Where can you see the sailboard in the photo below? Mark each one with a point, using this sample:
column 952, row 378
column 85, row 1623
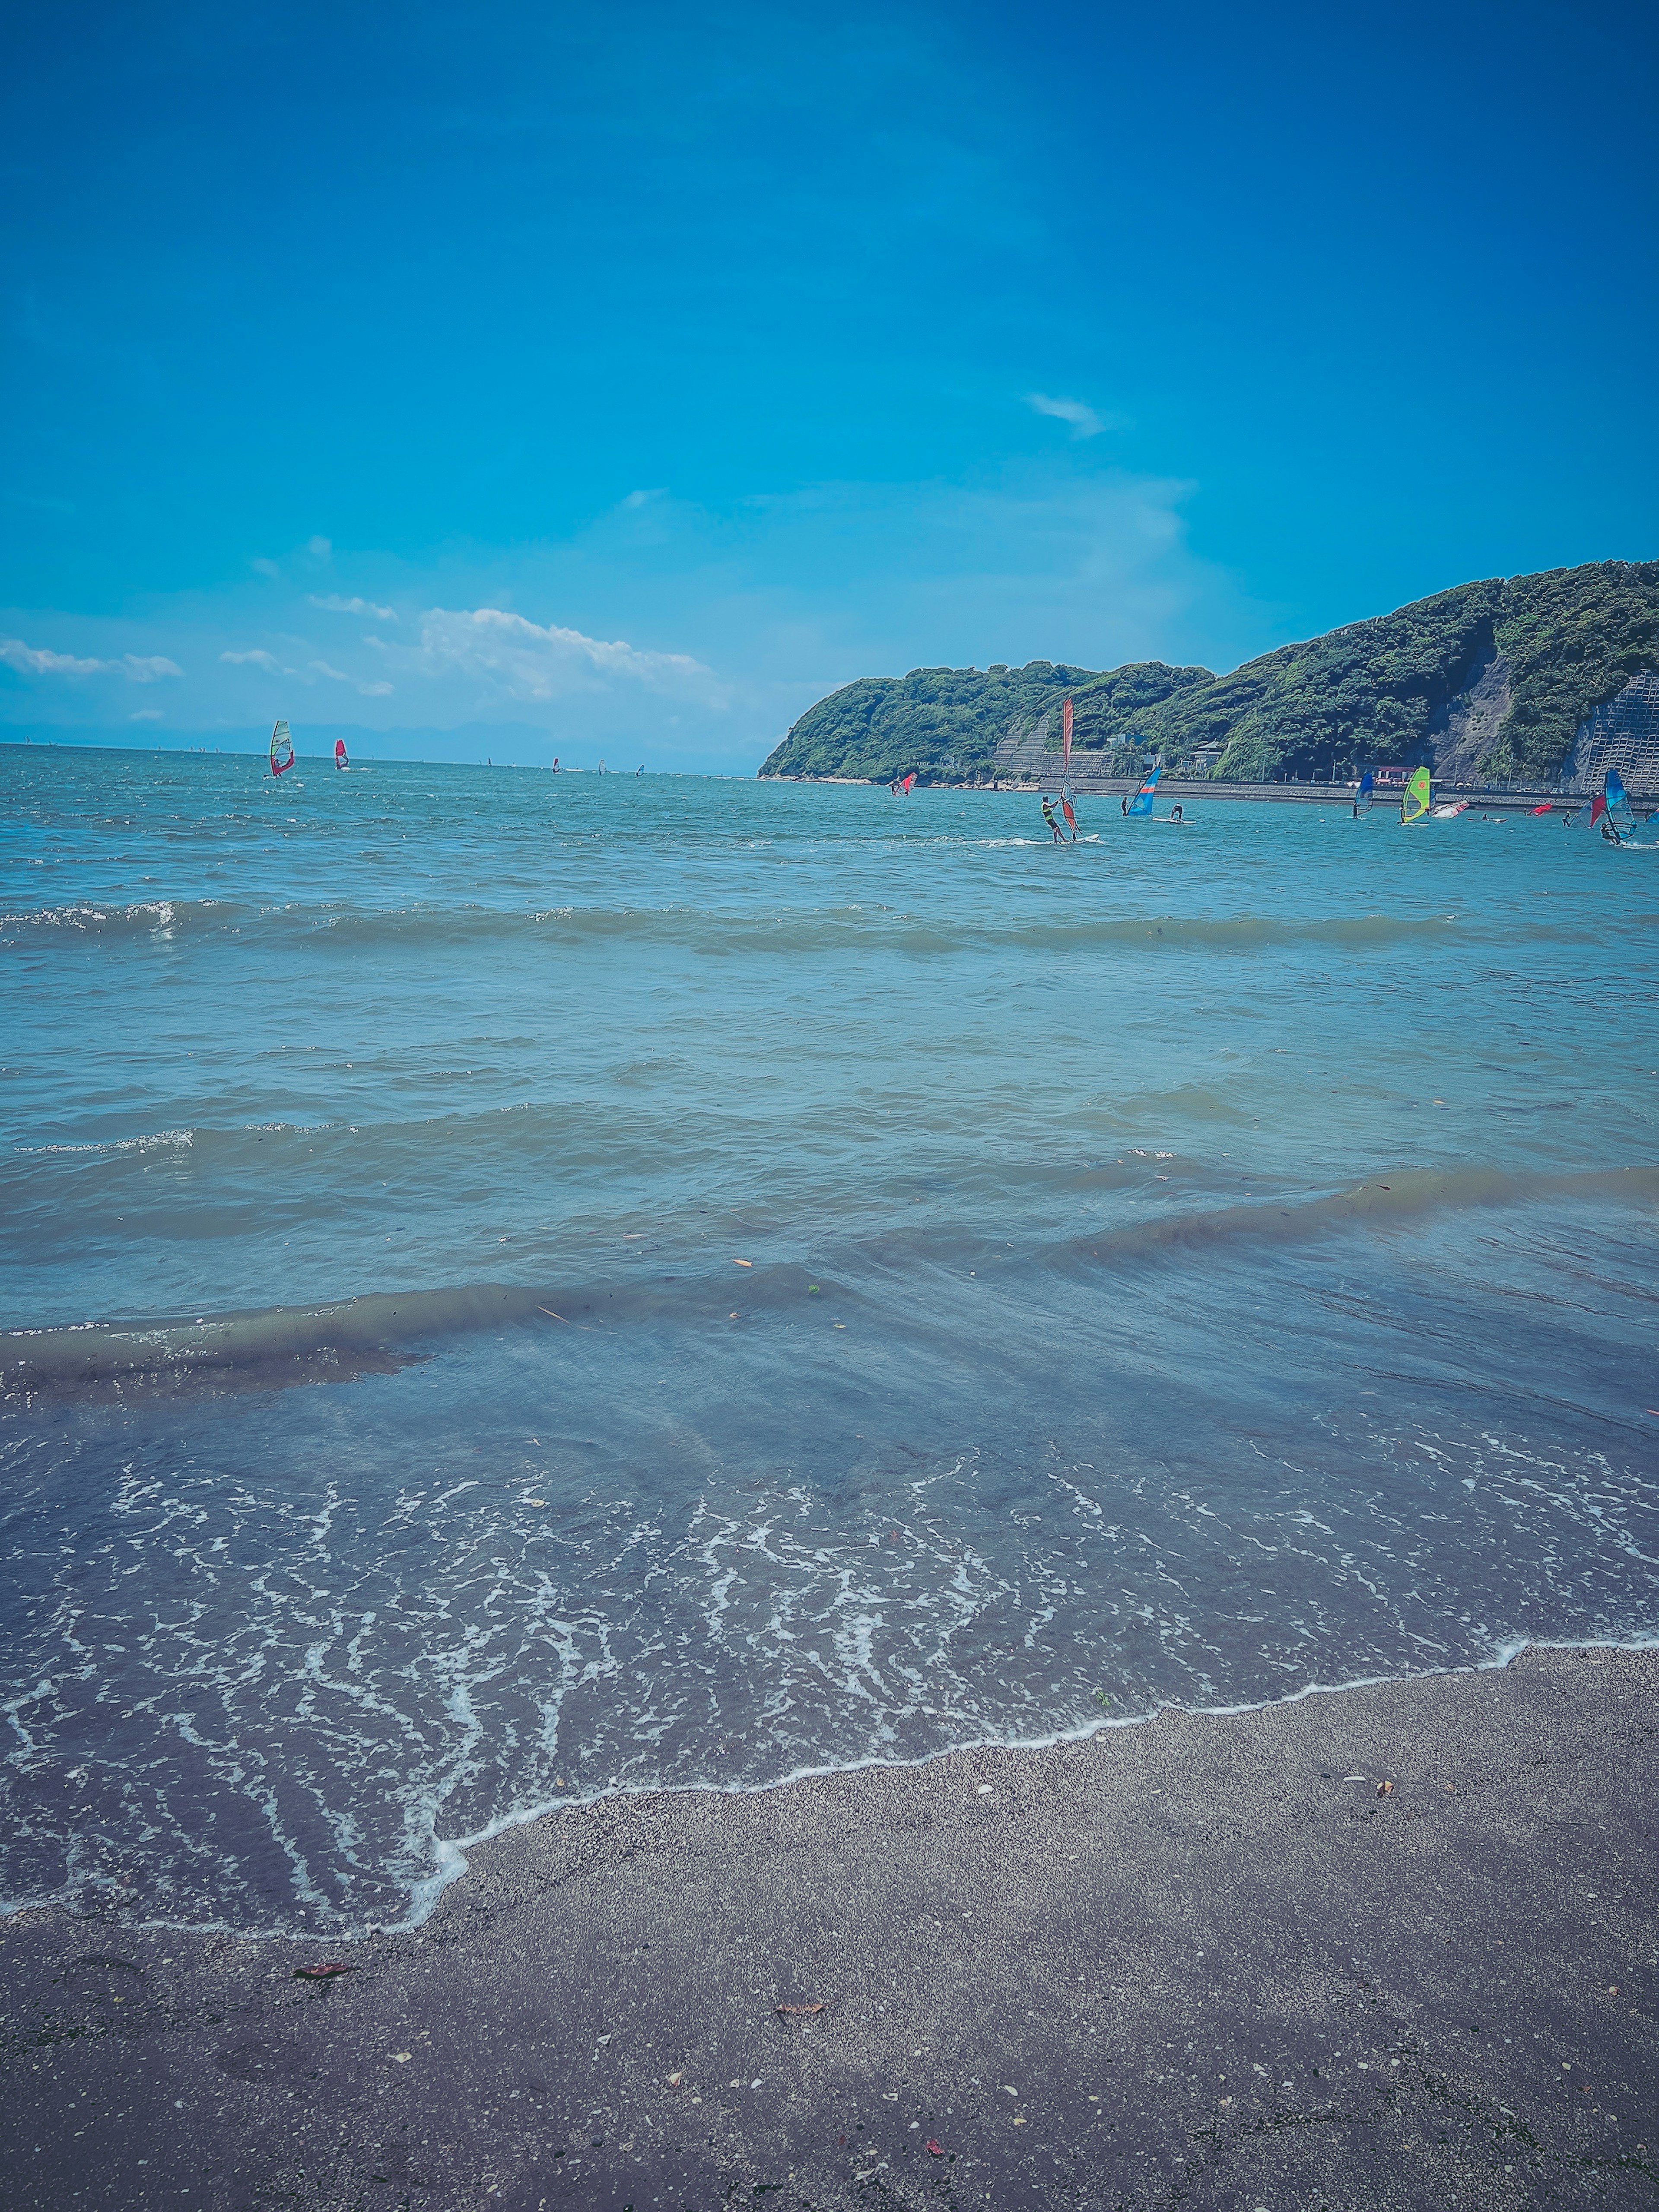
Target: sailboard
column 281, row 749
column 1066, row 769
column 1620, row 812
column 340, row 760
column 1419, row 796
column 1142, row 801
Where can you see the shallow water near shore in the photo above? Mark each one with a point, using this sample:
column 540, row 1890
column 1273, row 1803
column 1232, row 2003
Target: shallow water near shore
column 1194, row 1266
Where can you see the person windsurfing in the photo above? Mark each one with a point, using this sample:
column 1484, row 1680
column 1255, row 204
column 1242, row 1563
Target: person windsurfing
column 1066, row 773
column 1049, row 816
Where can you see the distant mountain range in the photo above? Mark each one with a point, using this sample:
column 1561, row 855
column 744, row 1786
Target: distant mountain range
column 1489, row 681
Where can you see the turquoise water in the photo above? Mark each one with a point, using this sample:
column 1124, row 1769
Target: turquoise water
column 1198, row 1264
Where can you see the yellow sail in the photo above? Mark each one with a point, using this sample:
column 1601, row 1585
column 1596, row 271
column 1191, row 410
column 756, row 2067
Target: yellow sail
column 1419, row 790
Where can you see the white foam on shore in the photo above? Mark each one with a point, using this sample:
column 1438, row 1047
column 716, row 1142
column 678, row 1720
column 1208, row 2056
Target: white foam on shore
column 452, row 1855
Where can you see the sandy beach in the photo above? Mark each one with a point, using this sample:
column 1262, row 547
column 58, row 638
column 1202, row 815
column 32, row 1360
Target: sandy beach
column 1211, row 1961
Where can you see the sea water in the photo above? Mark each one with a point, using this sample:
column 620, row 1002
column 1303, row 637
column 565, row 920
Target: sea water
column 739, row 1279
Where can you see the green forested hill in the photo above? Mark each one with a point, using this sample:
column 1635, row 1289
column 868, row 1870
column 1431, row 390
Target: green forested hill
column 1543, row 650
column 944, row 721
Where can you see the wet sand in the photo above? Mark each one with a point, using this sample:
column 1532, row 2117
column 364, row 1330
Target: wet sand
column 1193, row 1963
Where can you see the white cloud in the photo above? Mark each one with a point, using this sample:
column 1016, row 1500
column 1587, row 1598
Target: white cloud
column 258, row 657
column 147, row 714
column 39, row 660
column 36, row 660
column 517, row 658
column 343, row 676
column 320, row 549
column 1084, row 421
column 261, row 566
column 334, row 605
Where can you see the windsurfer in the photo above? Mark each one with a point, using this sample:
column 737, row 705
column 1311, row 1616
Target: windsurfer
column 1049, row 816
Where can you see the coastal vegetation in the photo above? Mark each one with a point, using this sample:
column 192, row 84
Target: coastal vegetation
column 946, row 722
column 1545, row 649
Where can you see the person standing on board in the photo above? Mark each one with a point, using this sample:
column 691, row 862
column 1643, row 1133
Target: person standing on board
column 1049, row 816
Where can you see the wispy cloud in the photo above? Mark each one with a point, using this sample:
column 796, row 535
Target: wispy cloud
column 258, row 657
column 1083, row 419
column 344, row 676
column 334, row 605
column 517, row 658
column 147, row 714
column 40, row 660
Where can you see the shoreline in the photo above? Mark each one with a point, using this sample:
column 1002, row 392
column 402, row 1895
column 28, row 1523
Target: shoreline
column 1175, row 1959
column 454, row 1855
column 1087, row 783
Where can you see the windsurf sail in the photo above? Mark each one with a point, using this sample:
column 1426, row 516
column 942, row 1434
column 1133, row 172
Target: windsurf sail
column 1419, row 796
column 1598, row 807
column 340, row 760
column 1066, row 769
column 1142, row 801
column 908, row 780
column 281, row 749
column 1451, row 810
column 1367, row 791
column 1620, row 812
column 1548, row 807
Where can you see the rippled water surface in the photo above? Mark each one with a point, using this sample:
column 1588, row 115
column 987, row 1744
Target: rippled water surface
column 523, row 1287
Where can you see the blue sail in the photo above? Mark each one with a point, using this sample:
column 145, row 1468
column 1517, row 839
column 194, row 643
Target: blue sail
column 1142, row 801
column 1619, row 806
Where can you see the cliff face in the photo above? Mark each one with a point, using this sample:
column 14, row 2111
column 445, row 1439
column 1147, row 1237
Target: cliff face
column 1491, row 680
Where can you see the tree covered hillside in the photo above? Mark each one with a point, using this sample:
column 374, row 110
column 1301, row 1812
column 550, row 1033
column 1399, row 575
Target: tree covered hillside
column 1545, row 648
column 943, row 722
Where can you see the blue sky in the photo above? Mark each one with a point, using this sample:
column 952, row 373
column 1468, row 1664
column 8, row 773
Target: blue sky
column 619, row 380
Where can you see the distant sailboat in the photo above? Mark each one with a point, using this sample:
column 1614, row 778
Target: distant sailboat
column 340, row 760
column 1419, row 796
column 281, row 749
column 1142, row 801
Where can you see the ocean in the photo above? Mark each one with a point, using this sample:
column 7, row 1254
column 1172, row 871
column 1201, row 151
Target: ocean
column 518, row 1288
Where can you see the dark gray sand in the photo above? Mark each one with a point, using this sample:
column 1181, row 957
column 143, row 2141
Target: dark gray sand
column 1193, row 1963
